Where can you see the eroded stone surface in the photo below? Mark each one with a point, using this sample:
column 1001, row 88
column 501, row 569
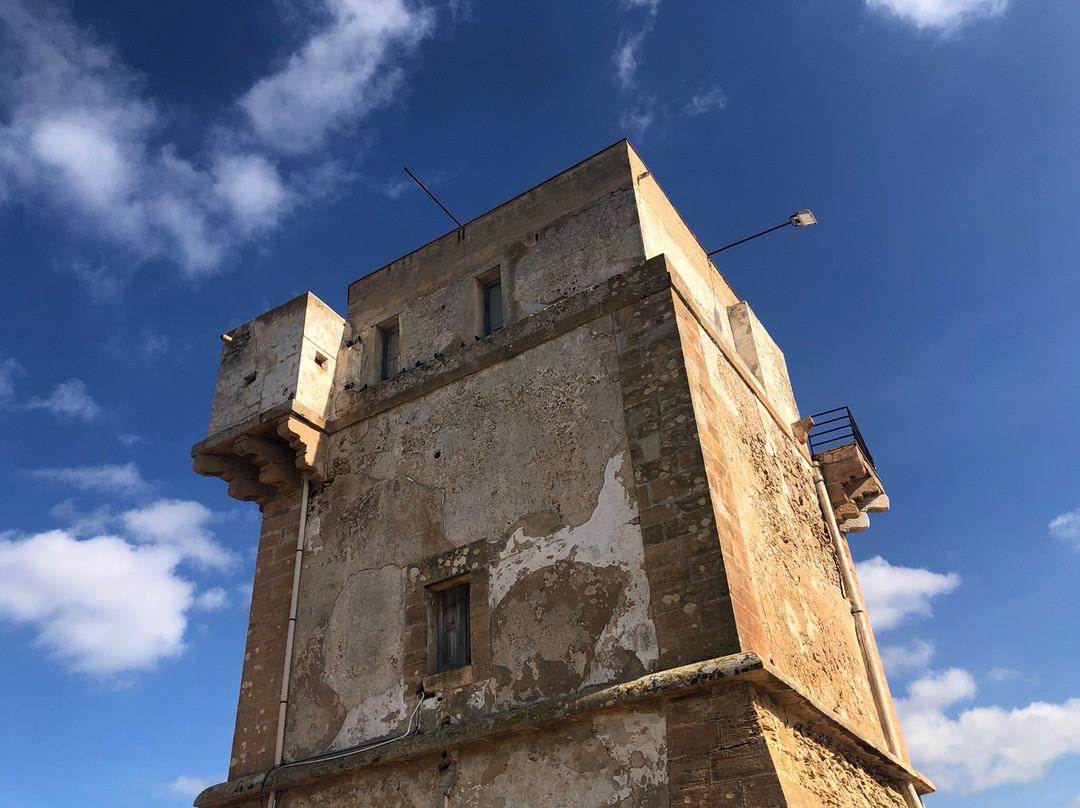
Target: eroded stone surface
column 617, row 759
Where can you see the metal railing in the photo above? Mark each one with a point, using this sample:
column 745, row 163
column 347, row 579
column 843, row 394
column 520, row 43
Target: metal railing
column 834, row 428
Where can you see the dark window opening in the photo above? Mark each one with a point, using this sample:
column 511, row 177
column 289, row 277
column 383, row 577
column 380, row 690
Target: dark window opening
column 390, row 344
column 493, row 307
column 452, row 628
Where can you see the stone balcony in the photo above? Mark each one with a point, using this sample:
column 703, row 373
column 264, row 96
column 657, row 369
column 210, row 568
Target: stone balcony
column 854, row 487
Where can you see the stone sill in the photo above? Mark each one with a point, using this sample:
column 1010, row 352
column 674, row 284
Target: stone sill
column 698, row 677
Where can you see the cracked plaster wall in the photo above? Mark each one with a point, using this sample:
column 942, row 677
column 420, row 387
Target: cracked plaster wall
column 527, row 457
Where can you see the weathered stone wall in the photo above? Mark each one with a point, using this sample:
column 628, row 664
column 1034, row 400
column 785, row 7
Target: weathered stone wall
column 719, row 754
column 526, row 462
column 610, row 759
column 691, row 603
column 286, row 355
column 817, row 772
column 782, row 570
column 260, row 684
column 664, row 232
column 764, row 359
column 577, row 230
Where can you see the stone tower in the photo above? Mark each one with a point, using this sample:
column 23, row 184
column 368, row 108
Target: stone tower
column 541, row 527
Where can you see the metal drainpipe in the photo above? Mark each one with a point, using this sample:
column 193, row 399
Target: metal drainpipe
column 862, row 633
column 279, row 745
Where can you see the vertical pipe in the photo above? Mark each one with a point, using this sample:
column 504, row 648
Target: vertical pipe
column 283, row 704
column 862, row 633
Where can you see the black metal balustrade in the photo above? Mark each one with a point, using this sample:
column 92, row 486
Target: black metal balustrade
column 834, row 428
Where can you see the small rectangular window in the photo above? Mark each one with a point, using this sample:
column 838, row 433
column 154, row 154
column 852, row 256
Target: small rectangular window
column 452, row 628
column 390, row 345
column 493, row 307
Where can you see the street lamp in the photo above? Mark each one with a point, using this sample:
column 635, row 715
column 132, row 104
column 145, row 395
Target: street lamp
column 803, row 218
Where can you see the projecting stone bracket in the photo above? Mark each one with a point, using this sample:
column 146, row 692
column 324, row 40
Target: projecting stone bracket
column 266, row 462
column 854, row 488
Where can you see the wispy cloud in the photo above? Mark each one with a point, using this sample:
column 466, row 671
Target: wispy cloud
column 112, row 603
column 641, row 109
column 1067, row 528
column 188, row 787
column 212, row 599
column 706, row 101
column 626, row 55
column 941, row 15
column 118, row 480
column 82, row 136
column 343, row 72
column 637, row 118
column 9, row 369
column 914, row 656
column 895, row 593
column 70, row 400
column 983, row 747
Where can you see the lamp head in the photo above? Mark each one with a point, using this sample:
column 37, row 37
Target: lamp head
column 803, row 218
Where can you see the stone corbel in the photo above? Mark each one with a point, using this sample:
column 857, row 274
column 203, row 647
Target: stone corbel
column 276, row 461
column 854, row 487
column 308, row 442
column 241, row 475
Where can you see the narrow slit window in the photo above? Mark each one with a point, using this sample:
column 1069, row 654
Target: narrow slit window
column 452, row 628
column 493, row 307
column 391, row 339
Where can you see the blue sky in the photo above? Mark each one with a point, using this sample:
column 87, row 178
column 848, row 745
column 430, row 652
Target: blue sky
column 168, row 172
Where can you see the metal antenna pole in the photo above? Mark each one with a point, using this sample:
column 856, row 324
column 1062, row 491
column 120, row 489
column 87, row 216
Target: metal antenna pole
column 437, row 202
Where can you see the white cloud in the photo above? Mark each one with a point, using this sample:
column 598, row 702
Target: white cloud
column 109, row 603
column 983, row 747
column 180, row 524
column 101, row 605
column 914, row 656
column 705, row 101
column 212, row 599
column 1067, row 527
column 342, row 73
column 189, row 787
column 935, row 692
column 943, row 15
column 1002, row 674
column 69, row 400
column 121, row 480
column 253, row 190
column 895, row 593
column 79, row 133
